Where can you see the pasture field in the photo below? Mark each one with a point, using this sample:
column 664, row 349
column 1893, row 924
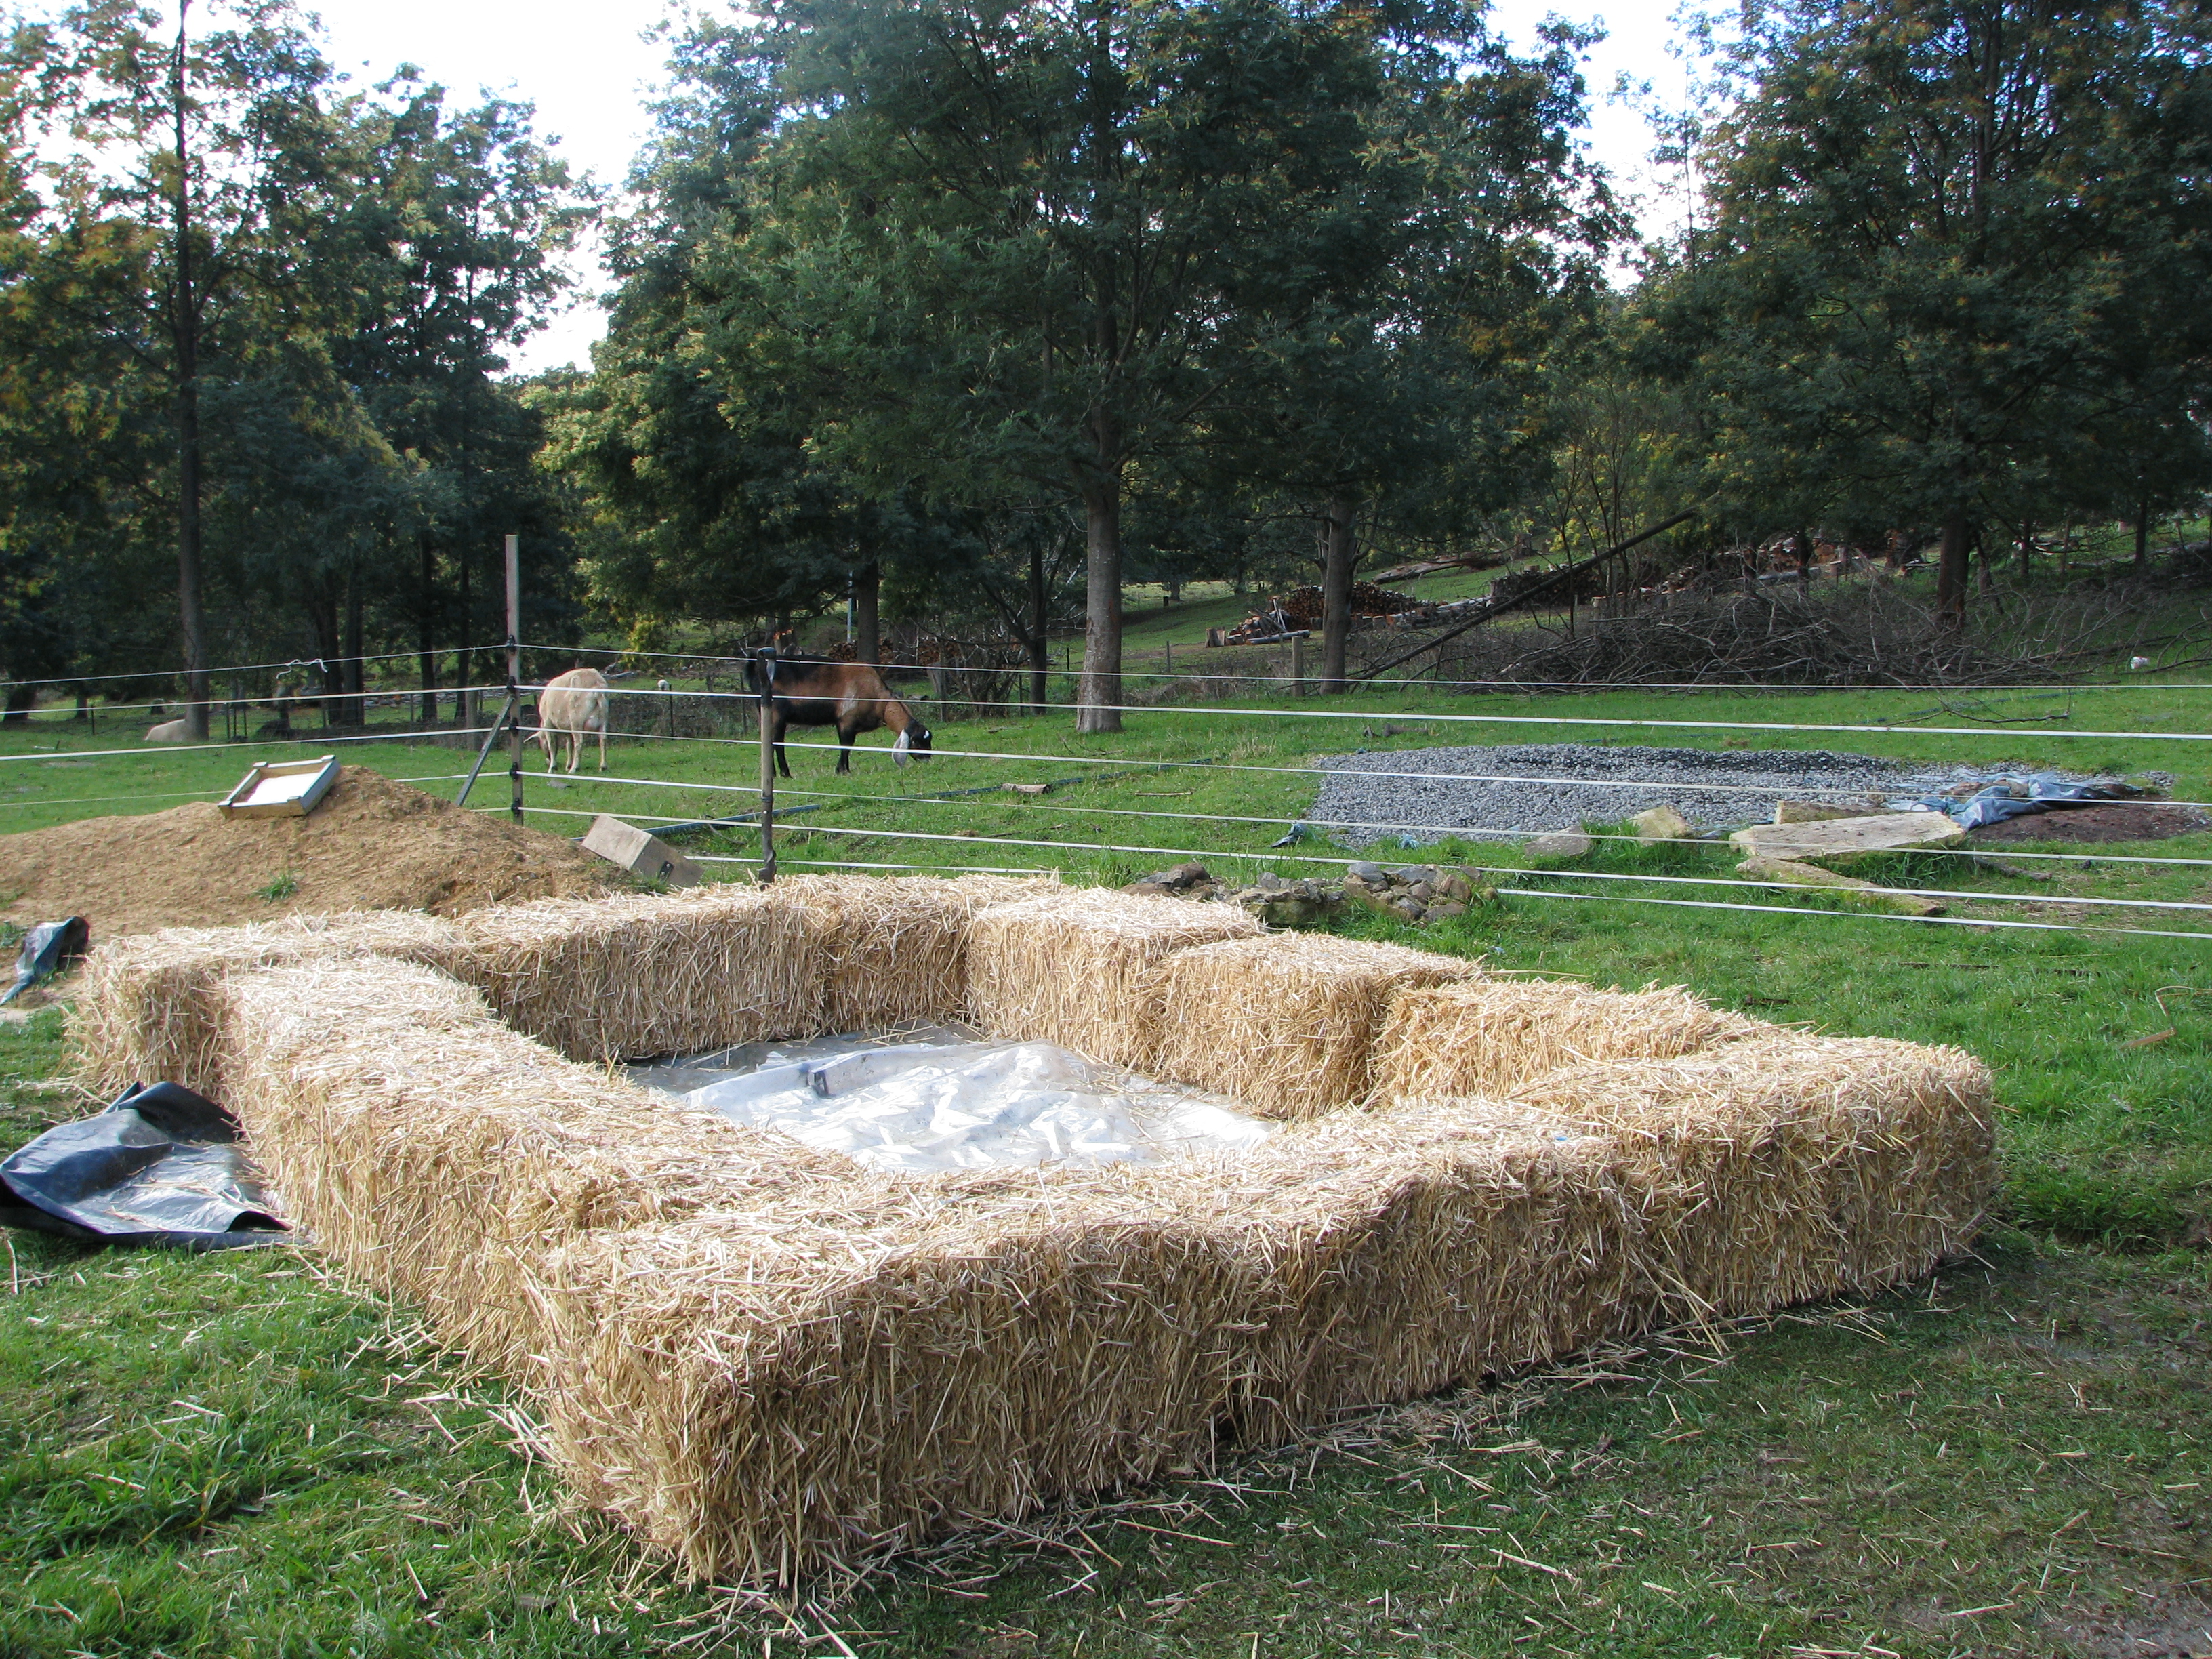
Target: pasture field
column 238, row 1455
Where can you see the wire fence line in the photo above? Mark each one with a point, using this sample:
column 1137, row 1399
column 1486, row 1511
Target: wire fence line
column 2045, row 688
column 1616, row 721
column 1223, row 854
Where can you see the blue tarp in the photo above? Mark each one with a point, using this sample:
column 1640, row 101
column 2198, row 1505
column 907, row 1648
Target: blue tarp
column 2000, row 799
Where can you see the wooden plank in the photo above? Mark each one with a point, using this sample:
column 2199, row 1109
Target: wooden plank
column 1882, row 832
column 1811, row 875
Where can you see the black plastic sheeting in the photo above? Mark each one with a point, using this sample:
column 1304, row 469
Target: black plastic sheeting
column 161, row 1166
column 47, row 949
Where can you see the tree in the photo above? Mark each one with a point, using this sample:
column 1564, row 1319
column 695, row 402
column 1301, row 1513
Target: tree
column 1950, row 237
column 1035, row 247
column 211, row 158
column 1403, row 353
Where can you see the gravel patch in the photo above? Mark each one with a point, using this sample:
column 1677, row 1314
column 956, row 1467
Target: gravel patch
column 1497, row 794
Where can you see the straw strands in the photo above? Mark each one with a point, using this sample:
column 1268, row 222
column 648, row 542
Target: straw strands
column 895, row 952
column 1285, row 1023
column 1075, row 967
column 1487, row 1036
column 1798, row 1165
column 440, row 1155
column 771, row 1360
column 639, row 974
column 147, row 1009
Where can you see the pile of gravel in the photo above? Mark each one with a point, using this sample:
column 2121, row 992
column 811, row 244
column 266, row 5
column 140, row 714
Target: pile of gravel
column 1496, row 793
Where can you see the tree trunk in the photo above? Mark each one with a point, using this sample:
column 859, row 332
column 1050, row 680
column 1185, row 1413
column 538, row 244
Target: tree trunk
column 1040, row 648
column 1337, row 559
column 2027, row 551
column 1951, row 572
column 185, row 323
column 22, row 699
column 1099, row 697
column 464, row 657
column 355, row 711
column 426, row 601
column 867, row 593
column 2142, row 538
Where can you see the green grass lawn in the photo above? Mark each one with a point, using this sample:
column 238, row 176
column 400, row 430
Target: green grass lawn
column 238, row 1455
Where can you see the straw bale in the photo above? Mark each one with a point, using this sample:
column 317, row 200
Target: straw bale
column 1487, row 1036
column 769, row 1358
column 1285, row 1023
column 764, row 1415
column 896, row 949
column 440, row 1155
column 639, row 975
column 1075, row 967
column 146, row 1010
column 1796, row 1166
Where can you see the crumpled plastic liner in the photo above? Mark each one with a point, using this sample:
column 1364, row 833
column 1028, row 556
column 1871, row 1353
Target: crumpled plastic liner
column 1999, row 798
column 941, row 1099
column 161, row 1166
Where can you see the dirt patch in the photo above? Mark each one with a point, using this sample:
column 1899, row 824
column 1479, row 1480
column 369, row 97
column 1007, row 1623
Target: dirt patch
column 2119, row 820
column 2175, row 1625
column 373, row 844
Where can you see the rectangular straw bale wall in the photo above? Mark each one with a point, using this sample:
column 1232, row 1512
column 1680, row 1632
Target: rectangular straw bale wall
column 1805, row 1166
column 641, row 974
column 895, row 952
column 1487, row 1036
column 769, row 1358
column 148, row 1008
column 765, row 1417
column 439, row 1153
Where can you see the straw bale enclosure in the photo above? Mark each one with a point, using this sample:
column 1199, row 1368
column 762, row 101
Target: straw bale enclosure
column 768, row 1358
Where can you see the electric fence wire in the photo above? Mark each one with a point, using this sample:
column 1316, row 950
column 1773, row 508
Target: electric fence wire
column 1273, row 856
column 2046, row 688
column 753, row 743
column 257, row 667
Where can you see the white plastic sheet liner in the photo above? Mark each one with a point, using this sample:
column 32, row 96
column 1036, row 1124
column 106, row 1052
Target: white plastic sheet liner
column 941, row 1099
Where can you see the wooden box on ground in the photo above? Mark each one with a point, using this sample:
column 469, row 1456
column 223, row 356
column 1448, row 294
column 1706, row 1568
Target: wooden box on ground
column 640, row 852
column 281, row 789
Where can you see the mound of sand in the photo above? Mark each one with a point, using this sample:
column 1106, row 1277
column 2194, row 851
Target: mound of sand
column 373, row 844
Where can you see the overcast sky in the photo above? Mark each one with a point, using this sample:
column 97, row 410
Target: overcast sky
column 591, row 74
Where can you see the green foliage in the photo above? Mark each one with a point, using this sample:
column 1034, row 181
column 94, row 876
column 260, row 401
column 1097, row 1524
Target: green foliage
column 1955, row 271
column 286, row 346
